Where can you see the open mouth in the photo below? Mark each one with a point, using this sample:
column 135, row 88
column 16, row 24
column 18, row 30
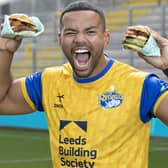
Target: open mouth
column 81, row 58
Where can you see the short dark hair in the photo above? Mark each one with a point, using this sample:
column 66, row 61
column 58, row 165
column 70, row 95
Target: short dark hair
column 83, row 5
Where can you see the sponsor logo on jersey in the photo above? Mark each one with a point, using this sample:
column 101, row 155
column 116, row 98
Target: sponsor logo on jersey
column 59, row 104
column 110, row 99
column 75, row 151
column 164, row 87
column 80, row 124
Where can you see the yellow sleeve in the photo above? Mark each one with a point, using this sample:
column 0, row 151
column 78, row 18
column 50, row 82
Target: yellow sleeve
column 159, row 101
column 26, row 96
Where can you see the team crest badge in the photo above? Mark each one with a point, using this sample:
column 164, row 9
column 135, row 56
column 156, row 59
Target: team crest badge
column 110, row 99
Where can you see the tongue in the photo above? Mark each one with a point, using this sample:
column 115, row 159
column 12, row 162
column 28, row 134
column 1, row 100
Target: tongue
column 82, row 58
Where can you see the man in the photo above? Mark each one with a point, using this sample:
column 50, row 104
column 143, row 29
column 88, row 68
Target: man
column 98, row 109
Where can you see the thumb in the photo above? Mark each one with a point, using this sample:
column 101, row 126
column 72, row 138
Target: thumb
column 161, row 41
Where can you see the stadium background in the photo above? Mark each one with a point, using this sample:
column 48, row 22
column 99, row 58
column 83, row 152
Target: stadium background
column 37, row 53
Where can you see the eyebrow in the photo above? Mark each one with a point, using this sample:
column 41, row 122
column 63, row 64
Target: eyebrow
column 69, row 29
column 88, row 28
column 92, row 27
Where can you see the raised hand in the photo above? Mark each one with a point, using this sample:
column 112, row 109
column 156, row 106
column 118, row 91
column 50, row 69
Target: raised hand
column 9, row 45
column 160, row 62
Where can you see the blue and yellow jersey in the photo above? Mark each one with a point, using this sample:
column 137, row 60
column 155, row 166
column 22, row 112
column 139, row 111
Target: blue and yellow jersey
column 97, row 122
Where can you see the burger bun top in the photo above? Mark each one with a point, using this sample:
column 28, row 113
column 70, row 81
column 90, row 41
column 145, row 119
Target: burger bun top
column 140, row 28
column 21, row 17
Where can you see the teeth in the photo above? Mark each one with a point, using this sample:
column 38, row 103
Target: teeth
column 81, row 51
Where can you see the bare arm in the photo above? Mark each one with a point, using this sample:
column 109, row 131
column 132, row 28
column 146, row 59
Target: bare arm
column 162, row 111
column 11, row 98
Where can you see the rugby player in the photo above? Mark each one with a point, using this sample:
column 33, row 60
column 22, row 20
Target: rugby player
column 98, row 109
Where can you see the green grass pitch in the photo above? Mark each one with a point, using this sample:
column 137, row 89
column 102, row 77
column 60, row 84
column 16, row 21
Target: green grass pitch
column 26, row 148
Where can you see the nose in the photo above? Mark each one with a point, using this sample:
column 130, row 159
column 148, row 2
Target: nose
column 80, row 38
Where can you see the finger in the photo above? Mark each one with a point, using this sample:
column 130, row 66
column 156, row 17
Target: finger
column 9, row 44
column 159, row 39
column 18, row 38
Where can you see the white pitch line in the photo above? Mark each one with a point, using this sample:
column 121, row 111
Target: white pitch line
column 159, row 149
column 2, row 162
column 23, row 137
column 24, row 160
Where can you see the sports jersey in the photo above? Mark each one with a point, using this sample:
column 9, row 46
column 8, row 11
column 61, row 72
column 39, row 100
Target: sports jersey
column 97, row 122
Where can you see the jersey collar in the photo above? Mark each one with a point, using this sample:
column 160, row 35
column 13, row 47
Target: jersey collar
column 96, row 77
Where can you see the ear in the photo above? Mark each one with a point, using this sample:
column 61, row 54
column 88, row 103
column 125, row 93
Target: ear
column 106, row 39
column 59, row 38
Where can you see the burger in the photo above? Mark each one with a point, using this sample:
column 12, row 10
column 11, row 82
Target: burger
column 22, row 23
column 136, row 37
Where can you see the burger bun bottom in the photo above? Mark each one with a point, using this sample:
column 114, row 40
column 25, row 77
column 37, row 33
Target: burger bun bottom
column 132, row 47
column 26, row 33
